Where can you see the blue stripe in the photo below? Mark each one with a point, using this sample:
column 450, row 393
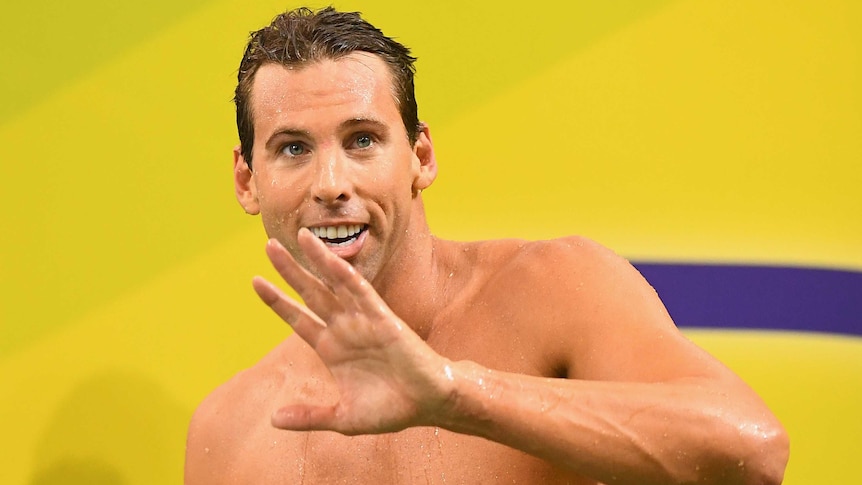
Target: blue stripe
column 759, row 297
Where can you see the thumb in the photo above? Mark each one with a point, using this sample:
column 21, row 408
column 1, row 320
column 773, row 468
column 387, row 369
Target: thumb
column 304, row 418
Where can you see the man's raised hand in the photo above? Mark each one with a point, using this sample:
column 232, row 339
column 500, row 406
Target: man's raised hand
column 387, row 377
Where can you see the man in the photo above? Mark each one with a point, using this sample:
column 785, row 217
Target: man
column 431, row 361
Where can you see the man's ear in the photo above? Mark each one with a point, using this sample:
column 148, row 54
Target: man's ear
column 243, row 181
column 423, row 149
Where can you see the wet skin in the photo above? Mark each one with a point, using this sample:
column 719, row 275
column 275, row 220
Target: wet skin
column 431, row 361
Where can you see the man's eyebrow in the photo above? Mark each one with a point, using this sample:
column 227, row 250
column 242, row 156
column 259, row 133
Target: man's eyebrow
column 354, row 122
column 281, row 132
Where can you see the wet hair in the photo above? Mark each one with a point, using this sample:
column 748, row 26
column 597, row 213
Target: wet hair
column 302, row 36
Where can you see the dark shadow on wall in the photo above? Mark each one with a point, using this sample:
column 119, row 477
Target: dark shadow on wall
column 116, row 428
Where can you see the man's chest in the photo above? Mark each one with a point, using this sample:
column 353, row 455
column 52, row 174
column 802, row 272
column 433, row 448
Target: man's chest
column 416, row 455
column 495, row 338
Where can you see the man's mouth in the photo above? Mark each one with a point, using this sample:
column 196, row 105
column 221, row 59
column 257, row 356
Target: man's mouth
column 338, row 236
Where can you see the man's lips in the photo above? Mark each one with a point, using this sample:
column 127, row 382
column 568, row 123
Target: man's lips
column 344, row 240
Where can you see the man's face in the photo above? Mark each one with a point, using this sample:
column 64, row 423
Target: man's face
column 331, row 154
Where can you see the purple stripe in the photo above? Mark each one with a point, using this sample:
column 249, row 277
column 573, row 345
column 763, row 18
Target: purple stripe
column 759, row 297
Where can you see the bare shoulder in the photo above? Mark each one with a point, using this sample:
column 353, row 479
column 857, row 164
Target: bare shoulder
column 235, row 417
column 574, row 269
column 576, row 285
column 243, row 390
column 593, row 311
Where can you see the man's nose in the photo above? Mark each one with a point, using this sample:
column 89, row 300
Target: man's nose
column 332, row 179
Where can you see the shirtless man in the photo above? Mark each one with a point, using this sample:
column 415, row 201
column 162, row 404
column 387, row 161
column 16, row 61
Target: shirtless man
column 420, row 360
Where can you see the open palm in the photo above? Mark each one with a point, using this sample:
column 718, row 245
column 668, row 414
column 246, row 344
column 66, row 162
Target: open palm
column 387, row 377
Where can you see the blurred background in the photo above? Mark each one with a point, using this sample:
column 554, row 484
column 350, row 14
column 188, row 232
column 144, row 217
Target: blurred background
column 717, row 145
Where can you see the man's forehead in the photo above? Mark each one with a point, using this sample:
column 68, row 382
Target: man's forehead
column 359, row 72
column 323, row 95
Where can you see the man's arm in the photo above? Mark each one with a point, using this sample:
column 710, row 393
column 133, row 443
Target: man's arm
column 686, row 431
column 685, row 419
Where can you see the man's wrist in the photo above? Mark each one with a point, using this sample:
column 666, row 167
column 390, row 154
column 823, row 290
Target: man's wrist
column 469, row 389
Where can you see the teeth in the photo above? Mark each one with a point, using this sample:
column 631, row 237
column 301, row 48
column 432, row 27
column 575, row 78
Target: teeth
column 333, row 232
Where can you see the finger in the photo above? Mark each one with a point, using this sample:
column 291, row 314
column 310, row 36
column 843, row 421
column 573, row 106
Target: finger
column 305, row 418
column 317, row 295
column 293, row 273
column 339, row 275
column 304, row 322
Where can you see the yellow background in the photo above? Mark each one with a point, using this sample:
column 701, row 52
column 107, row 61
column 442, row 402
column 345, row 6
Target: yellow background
column 667, row 130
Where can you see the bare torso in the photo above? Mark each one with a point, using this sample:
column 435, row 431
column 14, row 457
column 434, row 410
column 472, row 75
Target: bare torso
column 232, row 440
column 249, row 450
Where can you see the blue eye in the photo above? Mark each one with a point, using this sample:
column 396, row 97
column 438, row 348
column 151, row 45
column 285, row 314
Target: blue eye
column 294, row 149
column 363, row 141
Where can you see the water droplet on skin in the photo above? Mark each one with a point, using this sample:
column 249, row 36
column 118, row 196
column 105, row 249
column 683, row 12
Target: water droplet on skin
column 449, row 375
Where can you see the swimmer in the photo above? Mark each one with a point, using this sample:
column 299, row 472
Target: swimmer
column 421, row 360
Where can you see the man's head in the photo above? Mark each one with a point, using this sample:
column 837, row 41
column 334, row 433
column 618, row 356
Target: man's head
column 302, row 36
column 325, row 108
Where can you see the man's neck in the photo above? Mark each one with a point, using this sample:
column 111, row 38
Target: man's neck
column 414, row 284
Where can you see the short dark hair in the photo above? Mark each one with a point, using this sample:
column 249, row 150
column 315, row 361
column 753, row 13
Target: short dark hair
column 304, row 36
